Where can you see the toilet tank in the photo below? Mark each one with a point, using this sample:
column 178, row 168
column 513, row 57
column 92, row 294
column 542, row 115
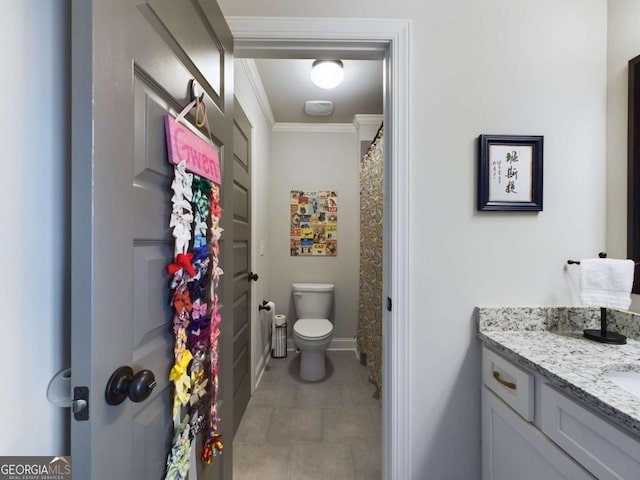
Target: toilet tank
column 313, row 300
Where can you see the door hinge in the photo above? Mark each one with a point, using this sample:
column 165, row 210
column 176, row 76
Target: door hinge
column 389, row 304
column 80, row 403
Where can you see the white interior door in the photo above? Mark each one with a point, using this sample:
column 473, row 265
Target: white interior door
column 132, row 62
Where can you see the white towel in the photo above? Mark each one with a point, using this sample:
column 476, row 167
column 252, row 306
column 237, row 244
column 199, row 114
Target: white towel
column 606, row 282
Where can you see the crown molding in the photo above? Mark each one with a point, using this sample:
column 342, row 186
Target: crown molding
column 249, row 66
column 367, row 126
column 361, row 120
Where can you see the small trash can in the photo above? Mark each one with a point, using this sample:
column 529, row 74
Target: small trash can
column 279, row 337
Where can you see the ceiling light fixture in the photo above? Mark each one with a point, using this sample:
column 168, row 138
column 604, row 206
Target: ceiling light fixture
column 327, row 73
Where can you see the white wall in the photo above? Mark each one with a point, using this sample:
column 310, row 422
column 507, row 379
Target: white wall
column 261, row 121
column 496, row 67
column 317, row 161
column 623, row 45
column 35, row 159
column 527, row 67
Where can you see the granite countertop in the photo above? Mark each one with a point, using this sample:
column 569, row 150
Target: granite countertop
column 549, row 341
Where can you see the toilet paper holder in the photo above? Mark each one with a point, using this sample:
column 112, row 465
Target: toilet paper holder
column 265, row 306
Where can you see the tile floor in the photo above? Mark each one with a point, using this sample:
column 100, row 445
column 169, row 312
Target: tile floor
column 297, row 430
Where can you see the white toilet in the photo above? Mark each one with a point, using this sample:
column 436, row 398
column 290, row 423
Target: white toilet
column 312, row 331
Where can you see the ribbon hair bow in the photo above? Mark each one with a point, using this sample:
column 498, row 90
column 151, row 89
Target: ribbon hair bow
column 183, row 260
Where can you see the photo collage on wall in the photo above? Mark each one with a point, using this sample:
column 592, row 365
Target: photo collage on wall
column 314, row 223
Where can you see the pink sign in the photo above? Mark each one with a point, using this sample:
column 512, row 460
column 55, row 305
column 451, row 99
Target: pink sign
column 201, row 158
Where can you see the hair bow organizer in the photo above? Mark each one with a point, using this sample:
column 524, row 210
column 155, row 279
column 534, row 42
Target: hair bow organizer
column 195, row 223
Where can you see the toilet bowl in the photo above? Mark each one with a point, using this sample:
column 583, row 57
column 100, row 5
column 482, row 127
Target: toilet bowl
column 312, row 332
column 312, row 336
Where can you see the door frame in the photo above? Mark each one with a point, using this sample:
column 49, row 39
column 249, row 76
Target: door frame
column 388, row 40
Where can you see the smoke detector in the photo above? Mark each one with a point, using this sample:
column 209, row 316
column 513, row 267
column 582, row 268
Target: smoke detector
column 318, row 107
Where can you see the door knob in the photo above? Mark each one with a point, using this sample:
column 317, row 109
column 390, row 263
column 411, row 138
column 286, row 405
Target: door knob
column 253, row 276
column 123, row 383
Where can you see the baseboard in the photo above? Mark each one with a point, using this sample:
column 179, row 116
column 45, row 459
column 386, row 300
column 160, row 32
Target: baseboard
column 346, row 343
column 262, row 363
column 343, row 344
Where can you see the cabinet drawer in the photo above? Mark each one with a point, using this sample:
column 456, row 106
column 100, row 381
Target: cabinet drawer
column 511, row 383
column 602, row 448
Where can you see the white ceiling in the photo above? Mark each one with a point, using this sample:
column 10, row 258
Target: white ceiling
column 288, row 86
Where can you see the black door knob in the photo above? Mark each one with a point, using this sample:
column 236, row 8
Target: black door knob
column 123, row 383
column 253, row 276
column 141, row 386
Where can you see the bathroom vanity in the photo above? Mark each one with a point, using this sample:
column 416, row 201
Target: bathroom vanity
column 552, row 404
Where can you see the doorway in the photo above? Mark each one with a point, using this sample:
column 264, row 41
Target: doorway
column 386, row 40
column 314, row 171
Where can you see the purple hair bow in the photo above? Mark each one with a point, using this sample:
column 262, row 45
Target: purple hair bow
column 200, row 323
column 198, row 339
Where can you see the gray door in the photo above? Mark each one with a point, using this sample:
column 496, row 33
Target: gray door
column 132, row 61
column 242, row 301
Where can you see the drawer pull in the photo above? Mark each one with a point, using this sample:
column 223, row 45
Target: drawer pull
column 510, row 385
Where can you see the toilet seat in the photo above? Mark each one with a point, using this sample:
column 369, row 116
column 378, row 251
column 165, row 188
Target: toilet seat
column 313, row 328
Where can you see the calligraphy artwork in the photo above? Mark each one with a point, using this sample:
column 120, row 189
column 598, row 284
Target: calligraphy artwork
column 510, row 172
column 314, row 223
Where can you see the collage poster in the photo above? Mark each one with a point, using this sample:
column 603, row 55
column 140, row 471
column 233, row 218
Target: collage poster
column 314, row 223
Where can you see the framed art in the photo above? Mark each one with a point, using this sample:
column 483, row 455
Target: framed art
column 314, row 223
column 510, row 173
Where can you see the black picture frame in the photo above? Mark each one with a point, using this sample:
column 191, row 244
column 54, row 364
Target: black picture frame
column 510, row 172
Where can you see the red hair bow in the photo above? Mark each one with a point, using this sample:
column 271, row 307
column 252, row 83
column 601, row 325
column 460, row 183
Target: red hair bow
column 183, row 260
